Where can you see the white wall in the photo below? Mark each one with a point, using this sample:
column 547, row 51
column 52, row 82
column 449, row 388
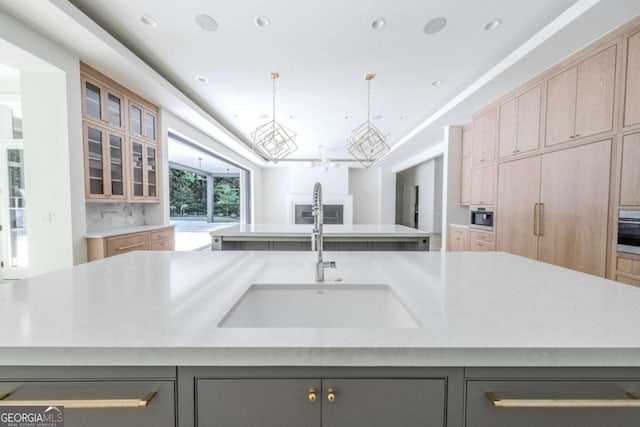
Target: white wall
column 453, row 212
column 279, row 182
column 54, row 166
column 364, row 186
column 47, row 171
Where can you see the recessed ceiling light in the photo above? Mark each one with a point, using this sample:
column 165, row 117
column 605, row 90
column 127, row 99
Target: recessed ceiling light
column 435, row 25
column 347, row 117
column 291, row 116
column 492, row 25
column 201, row 79
column 262, row 21
column 148, row 21
column 377, row 23
column 403, row 117
column 437, row 82
column 206, row 22
column 235, row 116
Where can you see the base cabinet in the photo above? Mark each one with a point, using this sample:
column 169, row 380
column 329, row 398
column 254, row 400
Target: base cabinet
column 96, row 397
column 589, row 399
column 348, row 399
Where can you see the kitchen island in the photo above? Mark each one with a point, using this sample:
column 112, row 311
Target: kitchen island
column 482, row 325
column 359, row 237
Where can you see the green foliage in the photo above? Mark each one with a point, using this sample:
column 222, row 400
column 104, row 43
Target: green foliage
column 189, row 191
column 226, row 196
column 188, row 194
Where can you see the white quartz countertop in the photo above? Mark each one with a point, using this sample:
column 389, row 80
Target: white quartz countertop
column 330, row 230
column 474, row 309
column 123, row 230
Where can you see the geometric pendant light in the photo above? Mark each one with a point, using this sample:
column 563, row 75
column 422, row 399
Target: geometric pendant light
column 272, row 140
column 366, row 143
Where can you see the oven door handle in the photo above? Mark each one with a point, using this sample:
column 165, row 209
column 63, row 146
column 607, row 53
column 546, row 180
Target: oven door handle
column 621, row 221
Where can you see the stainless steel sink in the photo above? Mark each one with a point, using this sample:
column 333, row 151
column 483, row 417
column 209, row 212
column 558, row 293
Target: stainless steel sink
column 319, row 306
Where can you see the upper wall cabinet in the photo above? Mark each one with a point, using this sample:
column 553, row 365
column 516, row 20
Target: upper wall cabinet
column 520, row 124
column 484, row 138
column 119, row 128
column 630, row 171
column 465, row 174
column 142, row 121
column 580, row 99
column 102, row 104
column 632, row 93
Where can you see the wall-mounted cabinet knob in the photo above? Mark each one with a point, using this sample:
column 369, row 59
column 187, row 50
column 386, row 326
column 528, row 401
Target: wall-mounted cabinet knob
column 313, row 395
column 572, row 136
column 577, row 135
column 331, row 395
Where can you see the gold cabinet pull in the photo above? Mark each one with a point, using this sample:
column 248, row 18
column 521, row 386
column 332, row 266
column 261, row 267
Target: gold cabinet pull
column 633, row 402
column 313, row 395
column 81, row 403
column 122, row 248
column 331, row 395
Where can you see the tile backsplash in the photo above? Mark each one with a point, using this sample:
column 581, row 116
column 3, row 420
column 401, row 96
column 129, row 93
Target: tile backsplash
column 103, row 216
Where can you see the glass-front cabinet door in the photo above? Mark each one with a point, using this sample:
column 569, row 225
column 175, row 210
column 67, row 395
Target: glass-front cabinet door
column 142, row 122
column 104, row 174
column 102, row 104
column 144, row 175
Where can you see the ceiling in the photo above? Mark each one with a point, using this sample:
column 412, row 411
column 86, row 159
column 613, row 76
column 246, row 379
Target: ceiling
column 322, row 50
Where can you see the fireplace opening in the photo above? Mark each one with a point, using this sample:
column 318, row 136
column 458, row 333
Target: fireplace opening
column 333, row 214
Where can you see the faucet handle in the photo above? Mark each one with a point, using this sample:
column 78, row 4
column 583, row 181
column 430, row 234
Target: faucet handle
column 332, row 264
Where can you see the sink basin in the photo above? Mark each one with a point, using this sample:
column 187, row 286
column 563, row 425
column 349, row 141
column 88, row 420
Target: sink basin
column 319, row 306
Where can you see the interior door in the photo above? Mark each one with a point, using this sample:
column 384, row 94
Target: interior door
column 574, row 196
column 518, row 195
column 13, row 212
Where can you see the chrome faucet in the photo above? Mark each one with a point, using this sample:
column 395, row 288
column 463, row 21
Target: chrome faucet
column 317, row 235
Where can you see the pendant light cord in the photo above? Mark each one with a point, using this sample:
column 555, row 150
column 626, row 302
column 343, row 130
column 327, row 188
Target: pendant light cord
column 368, row 101
column 274, row 98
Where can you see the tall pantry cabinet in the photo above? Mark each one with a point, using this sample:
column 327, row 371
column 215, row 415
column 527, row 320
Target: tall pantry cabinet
column 554, row 207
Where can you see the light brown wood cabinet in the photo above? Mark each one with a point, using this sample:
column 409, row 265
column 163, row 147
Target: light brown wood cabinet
column 158, row 239
column 630, row 171
column 114, row 136
column 628, row 269
column 484, row 138
column 632, row 86
column 482, row 183
column 104, row 163
column 554, row 207
column 520, row 124
column 458, row 239
column 580, row 99
column 465, row 175
column 480, row 240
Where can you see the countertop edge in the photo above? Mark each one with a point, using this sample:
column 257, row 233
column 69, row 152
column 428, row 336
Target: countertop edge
column 318, row 357
column 124, row 230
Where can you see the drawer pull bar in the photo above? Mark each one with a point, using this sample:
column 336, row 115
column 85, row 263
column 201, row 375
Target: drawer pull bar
column 81, row 403
column 633, row 402
column 122, row 248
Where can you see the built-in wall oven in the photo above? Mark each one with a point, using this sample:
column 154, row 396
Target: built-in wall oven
column 481, row 218
column 629, row 231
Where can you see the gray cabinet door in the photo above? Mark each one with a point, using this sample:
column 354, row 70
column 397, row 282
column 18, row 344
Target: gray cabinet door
column 159, row 412
column 384, row 402
column 480, row 411
column 257, row 402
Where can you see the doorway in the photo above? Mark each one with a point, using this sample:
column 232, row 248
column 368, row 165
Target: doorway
column 206, row 193
column 13, row 212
